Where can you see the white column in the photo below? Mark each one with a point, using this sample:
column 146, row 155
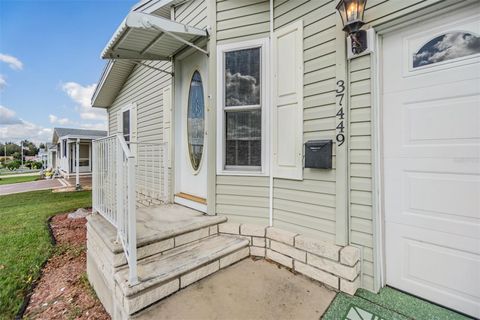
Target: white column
column 77, row 164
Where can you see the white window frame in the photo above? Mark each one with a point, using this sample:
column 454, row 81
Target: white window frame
column 263, row 44
column 128, row 107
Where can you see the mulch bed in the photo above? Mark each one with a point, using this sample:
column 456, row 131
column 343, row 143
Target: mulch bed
column 63, row 291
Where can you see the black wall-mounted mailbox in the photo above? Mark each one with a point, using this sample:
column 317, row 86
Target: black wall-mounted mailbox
column 318, row 154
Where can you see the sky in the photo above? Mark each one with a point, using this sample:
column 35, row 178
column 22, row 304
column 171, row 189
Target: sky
column 50, row 64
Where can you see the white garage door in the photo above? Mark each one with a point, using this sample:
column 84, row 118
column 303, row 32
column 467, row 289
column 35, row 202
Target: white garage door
column 431, row 159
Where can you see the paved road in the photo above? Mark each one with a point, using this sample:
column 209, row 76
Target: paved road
column 31, row 186
column 86, row 183
column 20, row 174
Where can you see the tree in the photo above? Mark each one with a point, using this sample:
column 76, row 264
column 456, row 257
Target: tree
column 42, row 146
column 30, row 148
column 11, row 148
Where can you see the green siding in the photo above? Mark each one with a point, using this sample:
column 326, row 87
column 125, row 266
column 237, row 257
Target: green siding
column 308, row 206
column 239, row 20
column 361, row 223
column 240, row 198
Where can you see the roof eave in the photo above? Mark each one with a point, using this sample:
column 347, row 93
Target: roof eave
column 98, row 88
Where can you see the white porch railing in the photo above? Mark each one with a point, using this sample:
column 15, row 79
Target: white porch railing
column 125, row 177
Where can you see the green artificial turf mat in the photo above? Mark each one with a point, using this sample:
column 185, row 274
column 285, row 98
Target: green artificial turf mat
column 409, row 306
column 353, row 308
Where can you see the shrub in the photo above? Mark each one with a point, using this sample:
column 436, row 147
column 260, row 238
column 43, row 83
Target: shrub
column 13, row 165
column 33, row 164
column 37, row 165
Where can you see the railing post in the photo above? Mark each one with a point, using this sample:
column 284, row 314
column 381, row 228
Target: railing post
column 119, row 186
column 94, row 176
column 132, row 221
column 165, row 172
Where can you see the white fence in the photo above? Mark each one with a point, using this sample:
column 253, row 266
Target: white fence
column 126, row 176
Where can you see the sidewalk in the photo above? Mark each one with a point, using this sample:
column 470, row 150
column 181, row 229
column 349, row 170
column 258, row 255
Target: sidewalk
column 31, row 186
column 28, row 174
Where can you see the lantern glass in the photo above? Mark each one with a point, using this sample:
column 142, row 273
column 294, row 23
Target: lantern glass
column 351, row 12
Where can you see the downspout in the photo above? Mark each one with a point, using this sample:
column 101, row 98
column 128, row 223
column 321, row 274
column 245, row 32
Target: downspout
column 270, row 191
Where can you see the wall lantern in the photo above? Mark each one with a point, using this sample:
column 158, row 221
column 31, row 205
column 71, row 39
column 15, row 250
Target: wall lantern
column 351, row 12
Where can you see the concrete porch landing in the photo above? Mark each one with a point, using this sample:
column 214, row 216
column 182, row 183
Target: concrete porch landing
column 247, row 290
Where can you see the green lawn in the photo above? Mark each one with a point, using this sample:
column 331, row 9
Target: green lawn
column 24, row 240
column 10, row 180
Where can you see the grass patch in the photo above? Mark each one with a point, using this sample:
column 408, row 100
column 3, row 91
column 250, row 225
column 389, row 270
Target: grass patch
column 25, row 241
column 10, row 180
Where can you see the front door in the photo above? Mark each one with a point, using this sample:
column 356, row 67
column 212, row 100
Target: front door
column 431, row 159
column 190, row 126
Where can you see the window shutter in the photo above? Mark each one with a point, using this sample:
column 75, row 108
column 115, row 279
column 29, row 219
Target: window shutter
column 287, row 104
column 133, row 129
column 167, row 119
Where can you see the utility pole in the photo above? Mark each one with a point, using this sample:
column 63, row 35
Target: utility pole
column 21, row 147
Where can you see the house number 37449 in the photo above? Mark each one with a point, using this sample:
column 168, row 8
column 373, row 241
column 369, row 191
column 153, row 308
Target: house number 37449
column 340, row 137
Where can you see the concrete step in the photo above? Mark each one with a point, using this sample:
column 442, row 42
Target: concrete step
column 159, row 229
column 163, row 274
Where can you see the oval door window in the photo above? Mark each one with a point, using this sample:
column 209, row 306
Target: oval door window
column 195, row 120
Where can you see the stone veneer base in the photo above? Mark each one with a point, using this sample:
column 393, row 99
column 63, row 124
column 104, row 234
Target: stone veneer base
column 336, row 266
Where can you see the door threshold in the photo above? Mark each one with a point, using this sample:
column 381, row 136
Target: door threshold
column 191, row 201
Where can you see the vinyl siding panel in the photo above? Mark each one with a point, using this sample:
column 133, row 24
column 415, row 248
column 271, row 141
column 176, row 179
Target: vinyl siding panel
column 308, row 206
column 239, row 20
column 240, row 198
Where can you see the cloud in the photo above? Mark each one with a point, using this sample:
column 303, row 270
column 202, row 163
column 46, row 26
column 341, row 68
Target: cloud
column 56, row 120
column 8, row 117
column 94, row 126
column 25, row 130
column 446, row 47
column 12, row 128
column 241, row 90
column 13, row 63
column 82, row 95
column 3, row 82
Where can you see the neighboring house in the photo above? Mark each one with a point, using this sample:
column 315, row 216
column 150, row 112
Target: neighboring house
column 31, row 158
column 72, row 147
column 51, row 156
column 365, row 165
column 42, row 156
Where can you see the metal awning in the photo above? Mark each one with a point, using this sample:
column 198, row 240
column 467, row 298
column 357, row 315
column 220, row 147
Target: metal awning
column 143, row 36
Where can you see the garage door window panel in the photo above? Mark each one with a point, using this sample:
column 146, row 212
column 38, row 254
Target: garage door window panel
column 448, row 46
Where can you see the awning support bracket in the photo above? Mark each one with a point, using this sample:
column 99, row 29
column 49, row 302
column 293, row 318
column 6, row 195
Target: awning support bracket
column 151, row 67
column 188, row 43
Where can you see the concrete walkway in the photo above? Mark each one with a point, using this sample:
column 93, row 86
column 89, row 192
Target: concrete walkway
column 31, row 186
column 247, row 290
column 28, row 174
column 58, row 183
